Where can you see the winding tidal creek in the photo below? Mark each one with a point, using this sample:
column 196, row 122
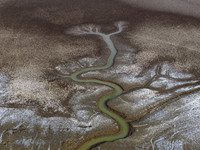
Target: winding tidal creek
column 117, row 90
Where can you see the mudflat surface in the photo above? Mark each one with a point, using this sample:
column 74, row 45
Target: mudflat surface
column 157, row 66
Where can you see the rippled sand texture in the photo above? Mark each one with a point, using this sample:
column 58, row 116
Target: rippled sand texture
column 157, row 66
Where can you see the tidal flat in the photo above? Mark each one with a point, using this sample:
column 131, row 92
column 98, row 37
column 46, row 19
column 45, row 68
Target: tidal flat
column 156, row 67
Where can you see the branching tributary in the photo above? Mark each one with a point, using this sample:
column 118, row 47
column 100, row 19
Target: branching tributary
column 123, row 125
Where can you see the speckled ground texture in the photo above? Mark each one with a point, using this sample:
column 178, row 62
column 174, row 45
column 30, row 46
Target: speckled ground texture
column 157, row 65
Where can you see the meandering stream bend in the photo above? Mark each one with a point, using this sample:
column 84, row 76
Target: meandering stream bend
column 123, row 125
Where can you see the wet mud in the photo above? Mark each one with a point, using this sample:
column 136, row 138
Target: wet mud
column 157, row 65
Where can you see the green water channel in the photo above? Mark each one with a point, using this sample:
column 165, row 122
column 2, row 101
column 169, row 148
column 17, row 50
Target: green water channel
column 123, row 125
